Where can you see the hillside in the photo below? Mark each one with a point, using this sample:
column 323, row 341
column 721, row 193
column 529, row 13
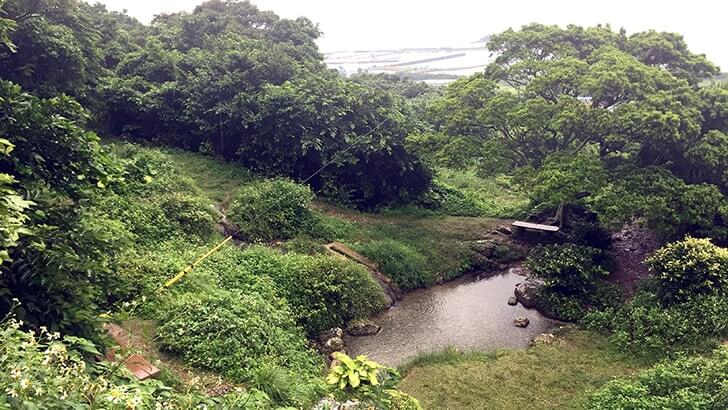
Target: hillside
column 199, row 213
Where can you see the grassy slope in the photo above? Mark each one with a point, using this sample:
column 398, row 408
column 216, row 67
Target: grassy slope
column 543, row 377
column 445, row 241
column 554, row 376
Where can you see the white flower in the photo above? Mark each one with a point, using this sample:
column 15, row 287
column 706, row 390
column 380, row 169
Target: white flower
column 16, row 373
column 134, row 402
column 11, row 392
column 24, row 384
column 115, row 396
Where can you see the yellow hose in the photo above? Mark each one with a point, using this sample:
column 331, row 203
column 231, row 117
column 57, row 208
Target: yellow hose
column 189, row 268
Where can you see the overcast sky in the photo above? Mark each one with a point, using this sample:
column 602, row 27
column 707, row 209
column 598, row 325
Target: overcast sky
column 386, row 24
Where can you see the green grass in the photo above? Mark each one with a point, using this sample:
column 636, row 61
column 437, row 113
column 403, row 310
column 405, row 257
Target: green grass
column 446, row 242
column 489, row 197
column 557, row 376
column 218, row 179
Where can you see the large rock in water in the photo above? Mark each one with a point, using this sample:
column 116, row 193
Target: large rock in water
column 526, row 293
column 521, row 321
column 363, row 328
column 512, row 301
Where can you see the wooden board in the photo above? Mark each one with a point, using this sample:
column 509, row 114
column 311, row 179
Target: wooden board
column 535, row 227
column 140, row 367
column 136, row 363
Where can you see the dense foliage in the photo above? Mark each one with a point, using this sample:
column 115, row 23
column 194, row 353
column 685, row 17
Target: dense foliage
column 689, row 269
column 572, row 280
column 616, row 126
column 322, row 292
column 272, row 209
column 46, row 370
column 60, row 264
column 687, row 383
column 662, row 319
column 595, row 117
column 235, row 334
column 226, row 78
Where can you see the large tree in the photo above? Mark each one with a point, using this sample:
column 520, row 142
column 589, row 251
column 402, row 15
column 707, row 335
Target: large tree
column 555, row 90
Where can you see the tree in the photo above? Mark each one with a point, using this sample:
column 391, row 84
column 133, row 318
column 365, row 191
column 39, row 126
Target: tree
column 59, row 265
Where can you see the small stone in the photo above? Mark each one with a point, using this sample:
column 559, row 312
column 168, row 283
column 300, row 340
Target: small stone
column 328, row 334
column 335, row 344
column 363, row 328
column 544, row 338
column 512, row 301
column 505, row 230
column 521, row 321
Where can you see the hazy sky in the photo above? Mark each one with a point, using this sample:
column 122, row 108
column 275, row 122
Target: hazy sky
column 384, row 24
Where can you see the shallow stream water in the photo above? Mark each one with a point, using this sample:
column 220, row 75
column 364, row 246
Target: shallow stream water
column 469, row 313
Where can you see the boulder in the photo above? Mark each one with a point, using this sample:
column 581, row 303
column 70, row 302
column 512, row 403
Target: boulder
column 521, row 321
column 331, row 333
column 363, row 328
column 335, row 344
column 526, row 291
column 512, row 301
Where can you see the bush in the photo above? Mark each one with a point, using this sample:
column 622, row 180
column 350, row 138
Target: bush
column 271, row 209
column 43, row 370
column 689, row 268
column 687, row 383
column 646, row 329
column 669, row 205
column 235, row 333
column 572, row 282
column 567, row 269
column 403, row 401
column 366, row 381
column 405, row 266
column 323, row 292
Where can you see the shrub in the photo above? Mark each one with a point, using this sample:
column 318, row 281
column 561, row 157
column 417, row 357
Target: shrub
column 364, row 380
column 235, row 333
column 572, row 282
column 323, row 292
column 646, row 329
column 567, row 269
column 687, row 383
column 43, row 370
column 403, row 401
column 408, row 268
column 689, row 268
column 669, row 205
column 271, row 209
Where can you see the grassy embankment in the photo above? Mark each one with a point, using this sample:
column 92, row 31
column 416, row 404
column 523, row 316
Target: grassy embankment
column 557, row 376
column 418, row 247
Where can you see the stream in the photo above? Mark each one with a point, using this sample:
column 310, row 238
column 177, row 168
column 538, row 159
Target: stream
column 469, row 313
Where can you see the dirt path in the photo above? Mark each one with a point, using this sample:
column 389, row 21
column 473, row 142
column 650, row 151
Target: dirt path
column 630, row 246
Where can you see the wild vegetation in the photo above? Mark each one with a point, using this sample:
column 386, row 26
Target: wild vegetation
column 225, row 121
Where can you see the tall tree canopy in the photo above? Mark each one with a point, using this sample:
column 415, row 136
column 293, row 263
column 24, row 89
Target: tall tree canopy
column 625, row 101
